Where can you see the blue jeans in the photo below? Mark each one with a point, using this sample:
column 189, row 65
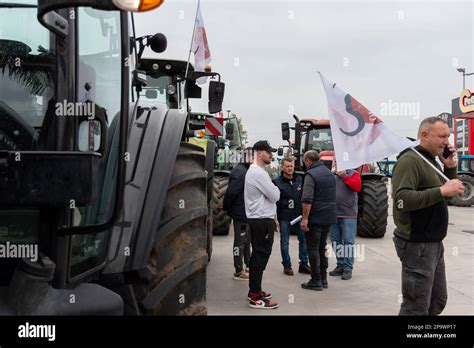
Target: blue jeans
column 343, row 242
column 285, row 229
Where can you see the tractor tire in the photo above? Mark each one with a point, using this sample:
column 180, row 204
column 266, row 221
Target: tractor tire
column 467, row 199
column 210, row 159
column 221, row 221
column 174, row 281
column 373, row 209
column 209, row 230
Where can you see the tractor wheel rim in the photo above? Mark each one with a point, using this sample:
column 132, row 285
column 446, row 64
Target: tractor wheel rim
column 468, row 192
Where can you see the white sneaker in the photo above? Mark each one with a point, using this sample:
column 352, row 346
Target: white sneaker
column 262, row 303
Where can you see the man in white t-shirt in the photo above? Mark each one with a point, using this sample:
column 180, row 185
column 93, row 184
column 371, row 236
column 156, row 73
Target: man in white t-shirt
column 260, row 197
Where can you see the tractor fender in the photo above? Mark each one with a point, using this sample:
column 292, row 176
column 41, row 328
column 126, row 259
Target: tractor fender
column 155, row 134
column 466, row 173
column 372, row 176
column 221, row 172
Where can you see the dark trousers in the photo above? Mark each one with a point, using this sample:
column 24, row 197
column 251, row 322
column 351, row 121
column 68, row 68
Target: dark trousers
column 424, row 287
column 316, row 244
column 261, row 234
column 241, row 247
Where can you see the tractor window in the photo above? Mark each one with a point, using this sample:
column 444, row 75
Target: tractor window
column 161, row 88
column 155, row 91
column 99, row 80
column 99, row 59
column 27, row 83
column 466, row 164
column 320, row 139
column 27, row 76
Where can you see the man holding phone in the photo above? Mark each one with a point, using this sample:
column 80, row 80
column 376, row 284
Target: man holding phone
column 420, row 214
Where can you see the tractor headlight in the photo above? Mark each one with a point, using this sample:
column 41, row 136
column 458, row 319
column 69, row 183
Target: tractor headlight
column 137, row 5
column 171, row 89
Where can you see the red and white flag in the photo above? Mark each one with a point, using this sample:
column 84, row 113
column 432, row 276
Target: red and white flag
column 202, row 53
column 359, row 136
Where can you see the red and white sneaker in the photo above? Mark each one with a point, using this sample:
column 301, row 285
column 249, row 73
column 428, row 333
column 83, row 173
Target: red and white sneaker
column 262, row 303
column 266, row 295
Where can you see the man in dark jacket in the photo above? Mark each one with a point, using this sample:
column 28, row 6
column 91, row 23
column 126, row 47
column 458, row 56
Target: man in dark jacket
column 421, row 218
column 319, row 213
column 288, row 209
column 235, row 207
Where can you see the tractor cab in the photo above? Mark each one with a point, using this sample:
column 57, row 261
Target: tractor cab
column 310, row 134
column 63, row 117
column 466, row 163
column 174, row 82
column 163, row 81
column 318, row 137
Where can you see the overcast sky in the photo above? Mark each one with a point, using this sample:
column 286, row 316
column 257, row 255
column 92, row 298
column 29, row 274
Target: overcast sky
column 389, row 55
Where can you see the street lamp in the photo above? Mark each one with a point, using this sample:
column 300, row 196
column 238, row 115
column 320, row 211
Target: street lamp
column 463, row 71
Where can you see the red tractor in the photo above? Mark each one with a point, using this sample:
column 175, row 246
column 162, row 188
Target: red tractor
column 315, row 134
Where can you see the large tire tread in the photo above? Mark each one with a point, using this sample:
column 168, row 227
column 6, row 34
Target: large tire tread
column 221, row 221
column 174, row 281
column 373, row 209
column 467, row 199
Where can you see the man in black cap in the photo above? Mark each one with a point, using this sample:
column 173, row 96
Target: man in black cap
column 260, row 196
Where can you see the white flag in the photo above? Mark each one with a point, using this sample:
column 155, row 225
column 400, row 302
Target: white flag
column 202, row 54
column 359, row 136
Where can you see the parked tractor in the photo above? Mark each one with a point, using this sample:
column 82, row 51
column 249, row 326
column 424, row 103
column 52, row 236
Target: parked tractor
column 226, row 153
column 95, row 166
column 314, row 134
column 466, row 175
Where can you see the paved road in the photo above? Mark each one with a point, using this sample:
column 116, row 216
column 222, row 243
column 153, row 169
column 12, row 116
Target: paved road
column 373, row 290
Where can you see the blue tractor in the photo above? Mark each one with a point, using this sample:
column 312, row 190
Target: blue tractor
column 466, row 175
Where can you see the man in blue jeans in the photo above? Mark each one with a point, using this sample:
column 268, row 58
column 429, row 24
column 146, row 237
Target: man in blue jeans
column 288, row 209
column 343, row 233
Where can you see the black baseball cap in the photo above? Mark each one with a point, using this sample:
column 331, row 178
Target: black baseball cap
column 263, row 145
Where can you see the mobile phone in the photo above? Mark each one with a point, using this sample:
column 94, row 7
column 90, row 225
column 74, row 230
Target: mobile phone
column 446, row 152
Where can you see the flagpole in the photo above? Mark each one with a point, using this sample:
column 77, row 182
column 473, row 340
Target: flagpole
column 431, row 164
column 192, row 40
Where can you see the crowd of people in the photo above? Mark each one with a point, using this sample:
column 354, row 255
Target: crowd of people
column 321, row 199
column 323, row 203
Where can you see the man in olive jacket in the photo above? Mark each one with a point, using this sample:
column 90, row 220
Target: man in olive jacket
column 420, row 214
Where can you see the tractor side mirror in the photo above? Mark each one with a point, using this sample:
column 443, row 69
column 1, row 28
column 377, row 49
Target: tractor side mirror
column 285, row 131
column 216, row 96
column 158, row 43
column 280, row 151
column 89, row 136
column 93, row 131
